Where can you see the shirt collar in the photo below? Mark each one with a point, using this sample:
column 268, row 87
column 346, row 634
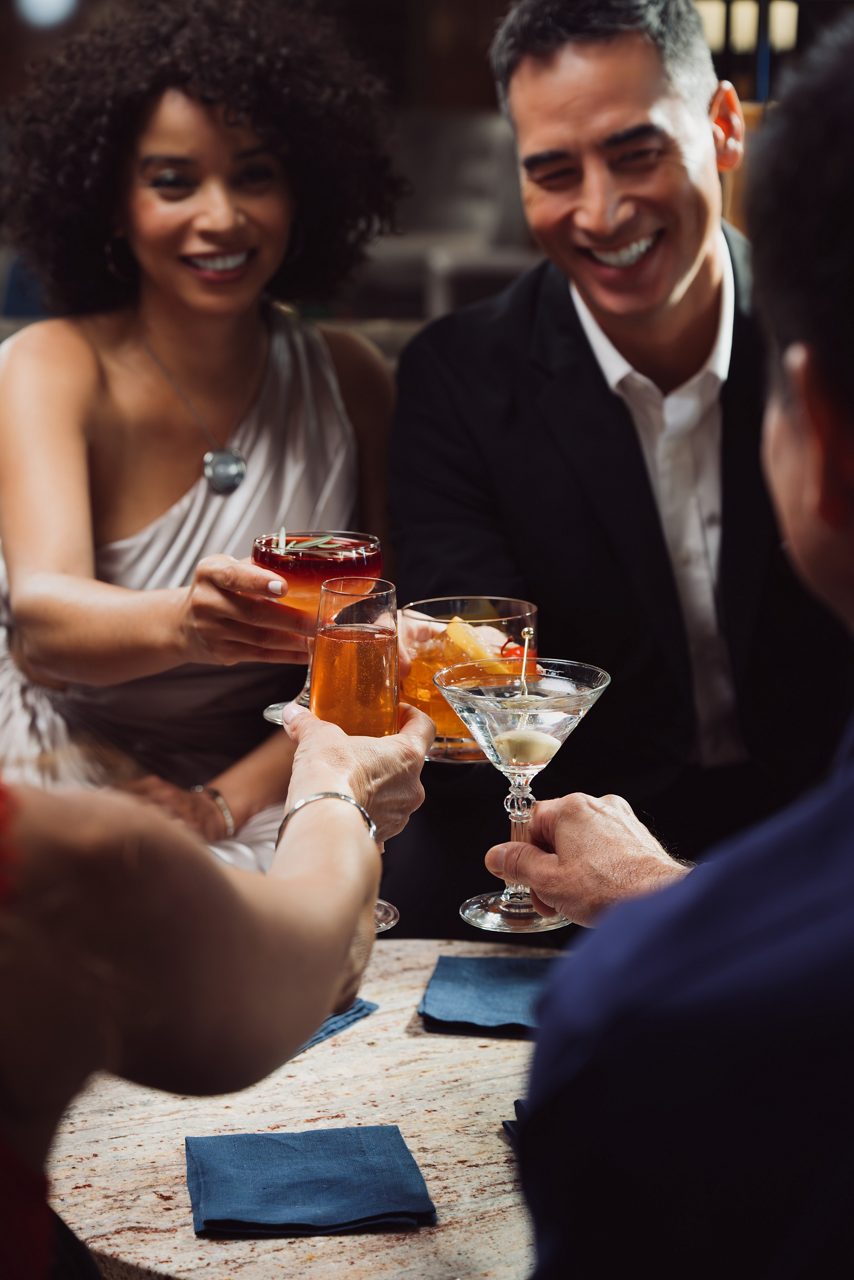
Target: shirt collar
column 615, row 367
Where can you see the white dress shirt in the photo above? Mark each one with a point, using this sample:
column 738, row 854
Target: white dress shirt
column 680, row 435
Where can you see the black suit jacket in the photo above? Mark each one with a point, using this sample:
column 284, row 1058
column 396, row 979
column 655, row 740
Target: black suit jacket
column 516, row 471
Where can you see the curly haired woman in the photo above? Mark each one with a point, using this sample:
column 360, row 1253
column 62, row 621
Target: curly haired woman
column 174, row 175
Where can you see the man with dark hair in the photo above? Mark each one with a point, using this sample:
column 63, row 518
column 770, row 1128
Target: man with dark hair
column 589, row 440
column 690, row 1101
column 540, row 28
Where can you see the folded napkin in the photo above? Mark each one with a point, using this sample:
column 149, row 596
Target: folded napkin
column 318, row 1183
column 484, row 995
column 339, row 1022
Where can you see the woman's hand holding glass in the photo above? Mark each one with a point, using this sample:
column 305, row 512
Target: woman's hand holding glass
column 233, row 611
column 383, row 774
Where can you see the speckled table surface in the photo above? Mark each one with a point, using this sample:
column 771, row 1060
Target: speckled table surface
column 118, row 1175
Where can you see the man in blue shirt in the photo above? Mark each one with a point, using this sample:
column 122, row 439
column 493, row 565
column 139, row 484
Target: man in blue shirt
column 690, row 1108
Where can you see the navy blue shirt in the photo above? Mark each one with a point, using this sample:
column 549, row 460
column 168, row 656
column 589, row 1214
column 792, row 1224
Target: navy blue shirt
column 691, row 1105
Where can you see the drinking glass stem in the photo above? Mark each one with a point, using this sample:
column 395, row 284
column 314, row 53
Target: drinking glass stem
column 303, row 698
column 516, row 898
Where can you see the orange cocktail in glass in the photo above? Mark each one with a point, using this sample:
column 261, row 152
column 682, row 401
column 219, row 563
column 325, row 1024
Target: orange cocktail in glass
column 442, row 631
column 354, row 680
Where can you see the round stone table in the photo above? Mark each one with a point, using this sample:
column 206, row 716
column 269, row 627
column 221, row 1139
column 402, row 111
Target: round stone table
column 117, row 1169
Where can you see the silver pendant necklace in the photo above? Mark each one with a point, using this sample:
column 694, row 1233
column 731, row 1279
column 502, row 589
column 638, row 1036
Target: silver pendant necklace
column 224, row 469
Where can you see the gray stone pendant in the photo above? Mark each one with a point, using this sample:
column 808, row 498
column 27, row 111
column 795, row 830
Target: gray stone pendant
column 224, row 469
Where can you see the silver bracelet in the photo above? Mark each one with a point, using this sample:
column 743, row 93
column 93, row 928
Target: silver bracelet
column 222, row 804
column 329, row 795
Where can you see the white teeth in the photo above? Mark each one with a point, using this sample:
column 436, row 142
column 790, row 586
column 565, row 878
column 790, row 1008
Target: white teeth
column 225, row 262
column 627, row 256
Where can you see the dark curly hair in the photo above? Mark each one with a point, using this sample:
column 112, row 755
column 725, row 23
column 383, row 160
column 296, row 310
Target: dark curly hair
column 273, row 63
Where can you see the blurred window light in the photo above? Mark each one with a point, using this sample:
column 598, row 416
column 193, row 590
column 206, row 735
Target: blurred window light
column 783, row 25
column 45, row 13
column 713, row 17
column 744, row 25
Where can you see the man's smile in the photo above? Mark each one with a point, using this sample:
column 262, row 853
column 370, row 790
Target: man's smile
column 626, row 256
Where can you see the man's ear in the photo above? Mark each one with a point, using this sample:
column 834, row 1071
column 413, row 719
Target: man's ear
column 727, row 127
column 830, row 433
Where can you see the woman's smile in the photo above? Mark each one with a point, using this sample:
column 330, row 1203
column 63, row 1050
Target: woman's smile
column 206, row 192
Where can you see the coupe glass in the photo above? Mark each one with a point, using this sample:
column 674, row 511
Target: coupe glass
column 520, row 719
column 307, row 559
column 445, row 630
column 354, row 675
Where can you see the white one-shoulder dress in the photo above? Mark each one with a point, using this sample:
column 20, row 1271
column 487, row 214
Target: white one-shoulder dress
column 190, row 723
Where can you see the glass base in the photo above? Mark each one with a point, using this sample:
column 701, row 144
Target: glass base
column 485, row 912
column 386, row 916
column 273, row 713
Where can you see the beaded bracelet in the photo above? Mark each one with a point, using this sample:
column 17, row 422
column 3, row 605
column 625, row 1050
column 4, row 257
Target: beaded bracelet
column 329, row 795
column 221, row 803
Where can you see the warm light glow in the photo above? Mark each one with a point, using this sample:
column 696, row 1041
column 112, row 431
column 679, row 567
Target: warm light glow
column 713, row 16
column 783, row 25
column 45, row 13
column 744, row 25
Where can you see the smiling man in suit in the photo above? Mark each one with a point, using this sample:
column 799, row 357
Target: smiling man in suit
column 589, row 440
column 690, row 1098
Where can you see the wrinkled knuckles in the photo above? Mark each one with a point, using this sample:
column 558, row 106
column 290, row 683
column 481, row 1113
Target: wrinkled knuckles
column 575, row 805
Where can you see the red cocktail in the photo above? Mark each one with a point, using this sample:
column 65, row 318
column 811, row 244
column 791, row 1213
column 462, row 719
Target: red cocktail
column 308, row 559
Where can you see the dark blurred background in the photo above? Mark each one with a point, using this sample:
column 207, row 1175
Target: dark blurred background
column 463, row 230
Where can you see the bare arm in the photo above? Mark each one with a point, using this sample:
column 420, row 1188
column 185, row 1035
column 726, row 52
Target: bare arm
column 127, row 947
column 254, row 782
column 385, row 777
column 69, row 626
column 149, row 958
column 585, row 854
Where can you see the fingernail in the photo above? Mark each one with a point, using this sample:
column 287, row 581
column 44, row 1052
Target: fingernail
column 291, row 711
column 497, row 856
column 276, row 586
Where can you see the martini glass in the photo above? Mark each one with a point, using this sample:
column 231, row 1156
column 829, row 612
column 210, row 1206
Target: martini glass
column 306, row 560
column 520, row 719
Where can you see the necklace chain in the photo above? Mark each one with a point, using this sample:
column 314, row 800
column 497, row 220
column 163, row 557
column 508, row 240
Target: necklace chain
column 181, row 394
column 224, row 467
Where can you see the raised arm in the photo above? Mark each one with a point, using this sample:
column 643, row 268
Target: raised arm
column 126, row 946
column 68, row 625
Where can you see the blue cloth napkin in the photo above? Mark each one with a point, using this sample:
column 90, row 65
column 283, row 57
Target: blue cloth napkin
column 318, row 1183
column 484, row 995
column 339, row 1022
